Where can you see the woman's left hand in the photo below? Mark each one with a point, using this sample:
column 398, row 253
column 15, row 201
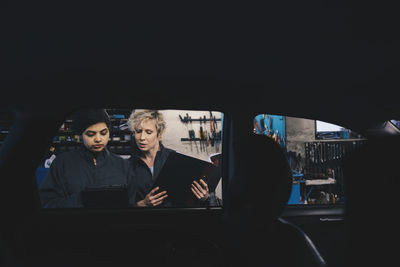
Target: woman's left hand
column 200, row 190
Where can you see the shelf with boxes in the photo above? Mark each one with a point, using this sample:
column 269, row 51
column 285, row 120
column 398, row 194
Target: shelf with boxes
column 66, row 139
column 120, row 136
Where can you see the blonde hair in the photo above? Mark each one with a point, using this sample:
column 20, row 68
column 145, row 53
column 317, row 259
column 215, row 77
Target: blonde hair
column 138, row 116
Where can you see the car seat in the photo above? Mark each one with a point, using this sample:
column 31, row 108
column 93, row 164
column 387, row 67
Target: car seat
column 372, row 180
column 258, row 191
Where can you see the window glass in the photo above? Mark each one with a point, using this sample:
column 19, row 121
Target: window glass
column 396, row 123
column 325, row 130
column 139, row 158
column 315, row 151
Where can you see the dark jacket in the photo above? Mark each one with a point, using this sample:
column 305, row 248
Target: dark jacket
column 72, row 171
column 144, row 179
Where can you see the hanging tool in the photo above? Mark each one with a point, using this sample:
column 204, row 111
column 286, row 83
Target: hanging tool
column 267, row 126
column 192, row 136
column 201, row 143
column 201, row 138
column 190, row 139
column 218, row 139
column 262, row 123
column 207, row 138
column 211, row 139
column 201, row 134
column 215, row 123
column 193, row 133
column 270, row 125
column 211, row 127
column 257, row 125
column 277, row 136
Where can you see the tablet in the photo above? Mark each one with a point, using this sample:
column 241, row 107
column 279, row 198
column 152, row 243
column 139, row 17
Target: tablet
column 105, row 196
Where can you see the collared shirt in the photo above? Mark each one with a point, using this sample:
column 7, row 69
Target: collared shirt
column 72, row 171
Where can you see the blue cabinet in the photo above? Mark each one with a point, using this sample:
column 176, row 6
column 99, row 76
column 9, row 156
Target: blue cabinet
column 271, row 125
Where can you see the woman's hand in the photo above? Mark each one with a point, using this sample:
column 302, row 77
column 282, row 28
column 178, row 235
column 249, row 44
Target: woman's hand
column 152, row 199
column 200, row 190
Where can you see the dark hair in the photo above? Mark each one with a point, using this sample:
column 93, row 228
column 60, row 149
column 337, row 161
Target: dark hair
column 83, row 119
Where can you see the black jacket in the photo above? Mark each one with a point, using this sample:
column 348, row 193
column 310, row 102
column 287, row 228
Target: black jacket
column 144, row 179
column 71, row 172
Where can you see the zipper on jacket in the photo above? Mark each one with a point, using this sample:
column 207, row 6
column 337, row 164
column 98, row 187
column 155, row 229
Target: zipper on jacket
column 95, row 161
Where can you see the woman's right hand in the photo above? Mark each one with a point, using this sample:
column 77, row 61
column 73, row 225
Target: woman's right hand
column 153, row 199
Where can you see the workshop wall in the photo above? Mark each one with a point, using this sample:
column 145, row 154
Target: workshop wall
column 176, row 130
column 298, row 132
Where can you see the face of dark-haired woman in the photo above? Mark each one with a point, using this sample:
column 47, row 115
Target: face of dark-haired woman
column 95, row 137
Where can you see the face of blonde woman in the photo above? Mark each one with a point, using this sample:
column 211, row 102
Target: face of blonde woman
column 146, row 136
column 95, row 137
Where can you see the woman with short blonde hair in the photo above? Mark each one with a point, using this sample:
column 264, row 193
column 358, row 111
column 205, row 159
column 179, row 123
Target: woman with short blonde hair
column 138, row 117
column 149, row 156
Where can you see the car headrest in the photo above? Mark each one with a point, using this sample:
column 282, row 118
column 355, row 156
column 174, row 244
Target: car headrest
column 262, row 180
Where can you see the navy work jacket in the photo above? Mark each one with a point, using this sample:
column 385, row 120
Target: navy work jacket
column 72, row 171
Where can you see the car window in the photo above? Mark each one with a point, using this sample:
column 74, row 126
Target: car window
column 192, row 137
column 315, row 151
column 396, row 123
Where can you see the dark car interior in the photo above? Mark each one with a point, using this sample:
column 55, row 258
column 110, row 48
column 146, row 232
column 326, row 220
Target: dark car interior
column 328, row 61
